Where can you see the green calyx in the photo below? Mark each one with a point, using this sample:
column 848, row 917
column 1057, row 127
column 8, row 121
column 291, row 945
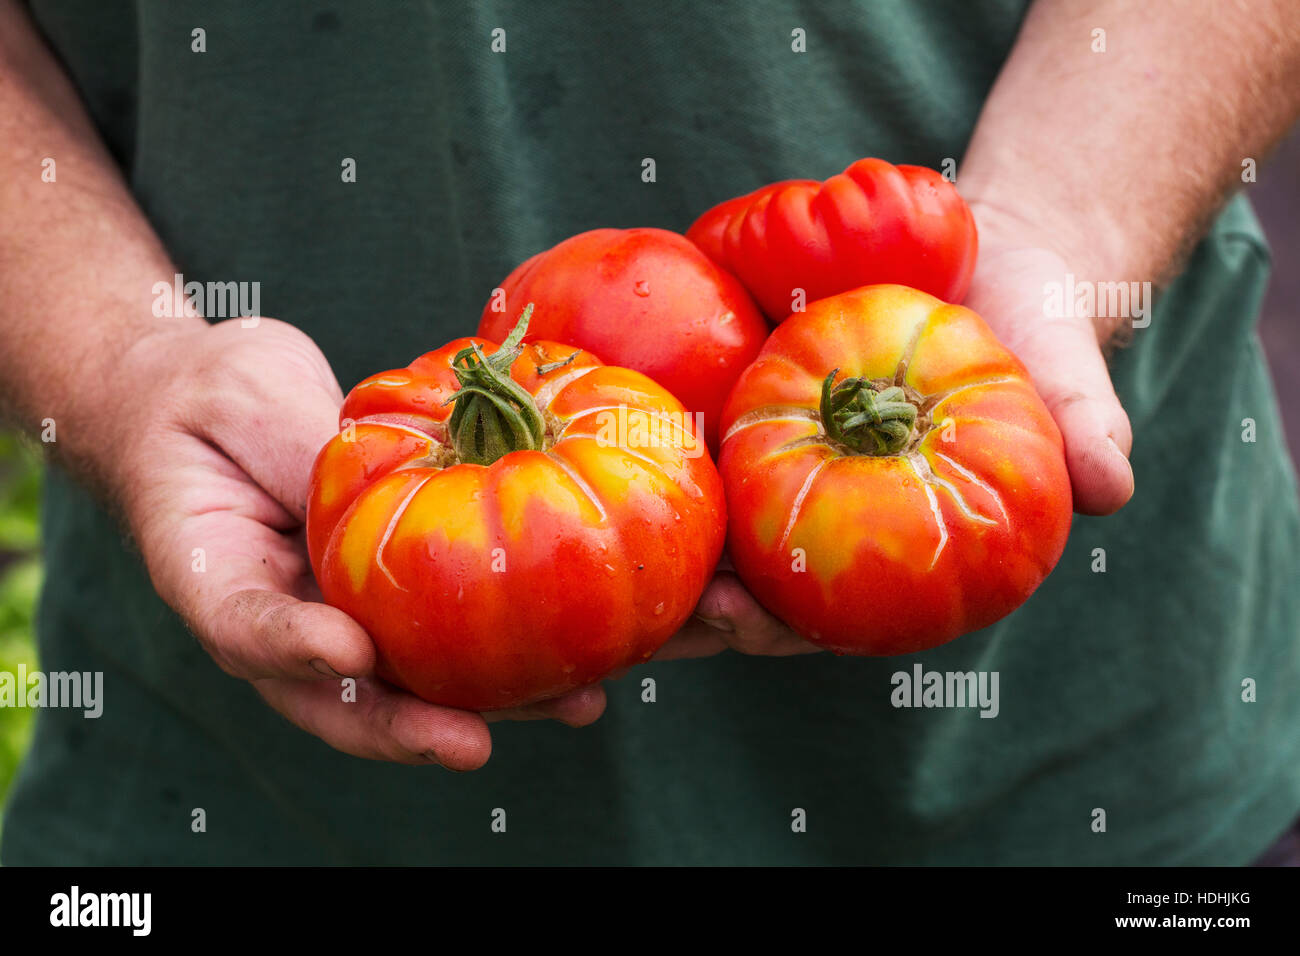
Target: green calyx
column 493, row 414
column 868, row 419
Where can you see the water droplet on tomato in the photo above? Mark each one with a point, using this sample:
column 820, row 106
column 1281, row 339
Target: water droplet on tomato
column 642, row 288
column 659, row 608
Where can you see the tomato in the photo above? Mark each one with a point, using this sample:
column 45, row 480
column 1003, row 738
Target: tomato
column 893, row 480
column 873, row 223
column 645, row 299
column 522, row 541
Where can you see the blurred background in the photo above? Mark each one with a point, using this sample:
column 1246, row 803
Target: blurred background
column 20, row 575
column 1277, row 201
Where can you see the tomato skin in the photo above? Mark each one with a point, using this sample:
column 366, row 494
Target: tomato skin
column 645, row 299
column 900, row 552
column 873, row 223
column 486, row 587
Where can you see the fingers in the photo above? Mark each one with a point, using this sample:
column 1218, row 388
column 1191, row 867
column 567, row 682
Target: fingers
column 695, row 639
column 729, row 617
column 1065, row 360
column 239, row 585
column 379, row 722
column 576, row 709
column 1071, row 375
column 256, row 634
column 1097, row 442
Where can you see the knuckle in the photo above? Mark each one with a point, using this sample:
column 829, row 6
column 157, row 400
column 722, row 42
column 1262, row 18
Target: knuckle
column 1058, row 403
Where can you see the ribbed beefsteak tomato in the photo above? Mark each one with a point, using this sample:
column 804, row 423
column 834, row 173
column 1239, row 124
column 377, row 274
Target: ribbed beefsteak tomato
column 510, row 524
column 645, row 299
column 893, row 480
column 872, row 223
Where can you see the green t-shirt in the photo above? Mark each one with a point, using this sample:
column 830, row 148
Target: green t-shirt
column 1120, row 690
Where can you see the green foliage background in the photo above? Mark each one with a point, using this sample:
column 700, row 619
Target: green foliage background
column 20, row 579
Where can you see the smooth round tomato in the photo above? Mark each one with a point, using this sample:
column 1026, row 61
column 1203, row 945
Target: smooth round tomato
column 553, row 523
column 893, row 480
column 644, row 299
column 872, row 223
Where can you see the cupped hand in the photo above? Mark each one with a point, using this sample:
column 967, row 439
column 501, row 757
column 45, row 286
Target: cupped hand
column 210, row 467
column 1064, row 357
column 1062, row 353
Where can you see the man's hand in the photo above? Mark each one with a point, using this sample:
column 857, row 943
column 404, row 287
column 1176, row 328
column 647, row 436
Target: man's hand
column 1063, row 355
column 1109, row 141
column 728, row 618
column 1065, row 359
column 212, row 455
column 1101, row 161
column 203, row 435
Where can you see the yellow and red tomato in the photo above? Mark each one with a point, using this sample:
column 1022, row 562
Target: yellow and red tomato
column 553, row 523
column 893, row 479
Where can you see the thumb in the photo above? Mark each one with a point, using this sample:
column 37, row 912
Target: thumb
column 1065, row 361
column 1070, row 374
column 1097, row 441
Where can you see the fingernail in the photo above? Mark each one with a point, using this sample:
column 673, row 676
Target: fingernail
column 1120, row 451
column 321, row 667
column 718, row 623
column 432, row 757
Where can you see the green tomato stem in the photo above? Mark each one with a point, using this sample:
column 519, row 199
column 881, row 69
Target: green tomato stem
column 493, row 414
column 870, row 420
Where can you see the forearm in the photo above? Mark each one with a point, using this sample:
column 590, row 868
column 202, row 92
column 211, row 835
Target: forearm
column 1119, row 159
column 78, row 260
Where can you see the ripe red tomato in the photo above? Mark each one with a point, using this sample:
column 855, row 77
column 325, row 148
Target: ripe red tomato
column 525, row 539
column 872, row 223
column 893, row 480
column 645, row 299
